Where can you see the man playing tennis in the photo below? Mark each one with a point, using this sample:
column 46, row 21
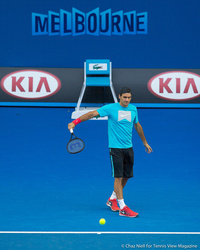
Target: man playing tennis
column 121, row 118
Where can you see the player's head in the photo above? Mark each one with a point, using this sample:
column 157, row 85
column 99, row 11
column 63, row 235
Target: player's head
column 125, row 90
column 125, row 95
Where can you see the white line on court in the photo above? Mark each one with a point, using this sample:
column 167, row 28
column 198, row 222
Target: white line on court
column 101, row 232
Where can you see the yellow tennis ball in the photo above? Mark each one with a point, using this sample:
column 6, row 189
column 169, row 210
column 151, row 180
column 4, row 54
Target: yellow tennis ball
column 102, row 221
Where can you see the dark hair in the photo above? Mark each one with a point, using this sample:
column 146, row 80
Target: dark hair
column 125, row 90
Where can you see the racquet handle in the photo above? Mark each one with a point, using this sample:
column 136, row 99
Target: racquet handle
column 71, row 130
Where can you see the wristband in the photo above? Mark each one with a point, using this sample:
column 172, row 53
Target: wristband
column 77, row 121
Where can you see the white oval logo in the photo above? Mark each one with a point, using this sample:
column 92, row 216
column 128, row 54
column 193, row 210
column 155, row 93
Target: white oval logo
column 30, row 84
column 175, row 85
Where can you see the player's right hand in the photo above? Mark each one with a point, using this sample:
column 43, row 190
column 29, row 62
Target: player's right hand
column 71, row 125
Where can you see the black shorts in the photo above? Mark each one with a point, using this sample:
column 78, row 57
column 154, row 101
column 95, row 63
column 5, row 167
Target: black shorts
column 122, row 161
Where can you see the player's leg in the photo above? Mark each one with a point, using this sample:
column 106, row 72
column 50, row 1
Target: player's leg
column 128, row 173
column 124, row 181
column 118, row 188
column 119, row 185
column 116, row 157
column 117, row 195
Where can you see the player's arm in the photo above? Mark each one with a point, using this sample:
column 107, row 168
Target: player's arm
column 140, row 132
column 83, row 118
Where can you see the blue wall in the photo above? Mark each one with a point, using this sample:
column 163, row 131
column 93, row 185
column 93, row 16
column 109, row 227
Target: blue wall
column 172, row 39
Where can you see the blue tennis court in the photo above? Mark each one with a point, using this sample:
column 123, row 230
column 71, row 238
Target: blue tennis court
column 45, row 189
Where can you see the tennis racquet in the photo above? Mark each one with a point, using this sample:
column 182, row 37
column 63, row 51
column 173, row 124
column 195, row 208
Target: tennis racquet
column 75, row 145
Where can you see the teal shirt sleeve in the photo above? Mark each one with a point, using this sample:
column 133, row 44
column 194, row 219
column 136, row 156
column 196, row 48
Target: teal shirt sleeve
column 104, row 111
column 136, row 120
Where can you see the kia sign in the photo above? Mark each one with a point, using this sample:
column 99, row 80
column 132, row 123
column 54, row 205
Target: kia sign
column 30, row 84
column 62, row 86
column 175, row 85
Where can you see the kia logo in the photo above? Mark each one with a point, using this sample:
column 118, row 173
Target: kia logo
column 30, row 84
column 175, row 85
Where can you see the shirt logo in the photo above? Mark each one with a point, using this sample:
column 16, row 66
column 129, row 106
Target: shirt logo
column 124, row 115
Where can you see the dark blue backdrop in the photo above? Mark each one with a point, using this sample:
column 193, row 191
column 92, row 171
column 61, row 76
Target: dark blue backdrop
column 172, row 40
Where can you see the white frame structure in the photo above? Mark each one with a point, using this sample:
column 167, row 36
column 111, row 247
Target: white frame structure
column 82, row 110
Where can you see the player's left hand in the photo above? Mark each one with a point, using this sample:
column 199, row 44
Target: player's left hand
column 148, row 149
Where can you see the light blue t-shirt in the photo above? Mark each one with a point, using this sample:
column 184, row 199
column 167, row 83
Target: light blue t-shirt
column 120, row 124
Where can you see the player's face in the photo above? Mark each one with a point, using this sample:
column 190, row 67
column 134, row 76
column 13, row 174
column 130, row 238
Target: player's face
column 125, row 99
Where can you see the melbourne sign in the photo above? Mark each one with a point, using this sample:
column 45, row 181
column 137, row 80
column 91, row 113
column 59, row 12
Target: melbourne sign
column 95, row 23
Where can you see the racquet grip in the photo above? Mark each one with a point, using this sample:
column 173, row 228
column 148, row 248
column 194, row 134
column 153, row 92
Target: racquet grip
column 71, row 130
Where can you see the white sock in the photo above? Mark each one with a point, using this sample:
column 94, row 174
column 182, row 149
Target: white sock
column 121, row 203
column 113, row 196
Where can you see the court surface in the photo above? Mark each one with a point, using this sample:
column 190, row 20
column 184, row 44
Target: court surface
column 61, row 197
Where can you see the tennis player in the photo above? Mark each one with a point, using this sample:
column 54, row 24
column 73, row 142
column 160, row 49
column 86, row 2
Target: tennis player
column 121, row 118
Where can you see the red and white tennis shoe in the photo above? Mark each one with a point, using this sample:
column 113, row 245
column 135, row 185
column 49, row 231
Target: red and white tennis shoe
column 113, row 205
column 126, row 211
